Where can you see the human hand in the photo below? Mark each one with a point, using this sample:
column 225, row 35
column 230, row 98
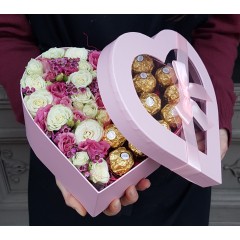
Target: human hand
column 130, row 196
column 223, row 141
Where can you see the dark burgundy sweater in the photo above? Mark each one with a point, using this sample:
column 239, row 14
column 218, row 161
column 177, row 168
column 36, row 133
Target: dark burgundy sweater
column 216, row 42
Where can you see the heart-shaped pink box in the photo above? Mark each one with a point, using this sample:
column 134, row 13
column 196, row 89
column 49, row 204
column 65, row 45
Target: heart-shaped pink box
column 125, row 109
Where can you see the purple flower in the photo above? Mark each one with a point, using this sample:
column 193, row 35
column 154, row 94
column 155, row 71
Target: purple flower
column 94, row 87
column 41, row 116
column 77, row 115
column 66, row 101
column 58, row 89
column 96, row 150
column 28, row 90
column 66, row 143
column 93, row 58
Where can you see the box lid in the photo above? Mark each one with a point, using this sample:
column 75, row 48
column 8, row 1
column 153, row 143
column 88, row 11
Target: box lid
column 139, row 127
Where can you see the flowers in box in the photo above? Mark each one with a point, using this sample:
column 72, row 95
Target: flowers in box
column 61, row 93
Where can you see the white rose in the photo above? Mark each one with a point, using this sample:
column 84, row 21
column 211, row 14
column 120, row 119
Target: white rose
column 94, row 73
column 99, row 172
column 78, row 105
column 90, row 109
column 38, row 99
column 85, row 65
column 34, row 67
column 102, row 116
column 54, row 53
column 88, row 129
column 34, row 81
column 58, row 116
column 82, row 78
column 83, row 97
column 80, row 159
column 74, row 52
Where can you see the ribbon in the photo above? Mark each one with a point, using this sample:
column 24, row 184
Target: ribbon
column 189, row 110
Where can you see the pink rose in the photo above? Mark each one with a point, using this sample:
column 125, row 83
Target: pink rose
column 41, row 116
column 66, row 142
column 58, row 89
column 96, row 150
column 65, row 101
column 77, row 115
column 93, row 58
column 99, row 101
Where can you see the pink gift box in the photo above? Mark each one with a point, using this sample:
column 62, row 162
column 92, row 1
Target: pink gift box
column 179, row 154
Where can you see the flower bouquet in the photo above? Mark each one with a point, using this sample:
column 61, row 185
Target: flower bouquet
column 61, row 92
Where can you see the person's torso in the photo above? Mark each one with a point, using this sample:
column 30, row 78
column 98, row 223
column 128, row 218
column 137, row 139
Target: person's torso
column 96, row 31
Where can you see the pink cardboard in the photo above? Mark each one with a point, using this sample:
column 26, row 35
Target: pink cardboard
column 141, row 129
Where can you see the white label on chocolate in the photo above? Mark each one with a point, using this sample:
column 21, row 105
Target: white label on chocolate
column 150, row 101
column 111, row 135
column 143, row 75
column 140, row 58
column 125, row 156
column 166, row 70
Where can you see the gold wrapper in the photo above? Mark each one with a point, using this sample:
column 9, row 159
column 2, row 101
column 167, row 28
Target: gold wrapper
column 113, row 136
column 151, row 102
column 144, row 82
column 143, row 63
column 135, row 151
column 171, row 94
column 121, row 161
column 166, row 76
column 171, row 116
column 165, row 124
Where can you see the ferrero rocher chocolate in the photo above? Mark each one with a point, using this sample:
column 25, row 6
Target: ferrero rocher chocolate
column 144, row 82
column 113, row 136
column 143, row 63
column 135, row 151
column 171, row 94
column 151, row 102
column 171, row 116
column 166, row 76
column 121, row 161
column 165, row 124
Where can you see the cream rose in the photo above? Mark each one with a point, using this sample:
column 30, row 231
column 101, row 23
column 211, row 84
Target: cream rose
column 36, row 100
column 78, row 105
column 90, row 109
column 80, row 159
column 82, row 78
column 85, row 65
column 73, row 52
column 83, row 97
column 34, row 67
column 102, row 116
column 33, row 81
column 88, row 129
column 54, row 53
column 58, row 116
column 99, row 172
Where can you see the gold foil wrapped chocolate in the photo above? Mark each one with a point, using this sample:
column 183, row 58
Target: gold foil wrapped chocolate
column 113, row 136
column 151, row 102
column 171, row 116
column 121, row 161
column 166, row 76
column 171, row 94
column 144, row 82
column 135, row 151
column 165, row 124
column 143, row 63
